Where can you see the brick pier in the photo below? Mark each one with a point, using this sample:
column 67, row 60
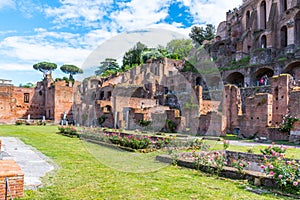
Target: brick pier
column 11, row 170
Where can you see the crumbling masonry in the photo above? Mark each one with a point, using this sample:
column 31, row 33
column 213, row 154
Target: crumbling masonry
column 257, row 54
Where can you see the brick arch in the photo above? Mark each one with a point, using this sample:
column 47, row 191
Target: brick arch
column 261, row 73
column 293, row 69
column 235, row 78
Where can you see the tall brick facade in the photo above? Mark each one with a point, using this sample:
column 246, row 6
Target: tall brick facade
column 50, row 99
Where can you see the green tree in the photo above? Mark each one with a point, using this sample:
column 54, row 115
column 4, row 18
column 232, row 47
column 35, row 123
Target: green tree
column 151, row 54
column 71, row 70
column 108, row 67
column 45, row 67
column 27, row 85
column 133, row 56
column 179, row 48
column 199, row 34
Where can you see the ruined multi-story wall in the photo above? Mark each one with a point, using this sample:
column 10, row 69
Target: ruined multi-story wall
column 47, row 100
column 259, row 39
column 257, row 52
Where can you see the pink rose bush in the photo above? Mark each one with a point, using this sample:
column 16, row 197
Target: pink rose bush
column 285, row 172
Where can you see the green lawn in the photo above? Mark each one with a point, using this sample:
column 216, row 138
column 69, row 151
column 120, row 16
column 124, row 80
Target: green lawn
column 87, row 171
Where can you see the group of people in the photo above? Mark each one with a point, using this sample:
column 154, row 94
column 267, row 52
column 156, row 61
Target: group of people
column 264, row 80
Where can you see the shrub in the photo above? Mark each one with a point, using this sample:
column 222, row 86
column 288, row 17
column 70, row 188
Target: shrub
column 130, row 141
column 162, row 142
column 68, row 130
column 199, row 144
column 273, row 150
column 144, row 122
column 240, row 165
column 40, row 123
column 171, row 126
column 286, row 173
column 225, row 144
column 287, row 123
column 101, row 119
column 18, row 122
column 211, row 159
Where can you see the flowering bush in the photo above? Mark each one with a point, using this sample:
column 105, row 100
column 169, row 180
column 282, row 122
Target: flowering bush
column 215, row 159
column 287, row 123
column 130, row 141
column 68, row 130
column 225, row 144
column 198, row 144
column 240, row 165
column 285, row 172
column 162, row 142
column 273, row 150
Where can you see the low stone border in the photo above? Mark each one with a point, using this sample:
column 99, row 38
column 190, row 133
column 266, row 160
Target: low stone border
column 114, row 146
column 256, row 178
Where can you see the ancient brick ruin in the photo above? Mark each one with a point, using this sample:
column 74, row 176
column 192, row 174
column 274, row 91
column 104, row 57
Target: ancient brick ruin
column 11, row 179
column 256, row 55
column 47, row 100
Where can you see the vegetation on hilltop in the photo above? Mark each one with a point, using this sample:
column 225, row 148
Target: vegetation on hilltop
column 178, row 49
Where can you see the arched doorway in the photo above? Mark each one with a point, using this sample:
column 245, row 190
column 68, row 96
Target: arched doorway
column 235, row 78
column 263, row 41
column 294, row 70
column 262, row 76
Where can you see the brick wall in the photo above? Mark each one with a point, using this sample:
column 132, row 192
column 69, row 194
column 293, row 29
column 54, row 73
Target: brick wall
column 11, row 170
column 258, row 115
column 280, row 90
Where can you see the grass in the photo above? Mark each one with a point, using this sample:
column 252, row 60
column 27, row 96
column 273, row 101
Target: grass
column 88, row 171
column 292, row 152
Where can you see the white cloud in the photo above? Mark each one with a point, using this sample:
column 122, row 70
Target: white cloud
column 7, row 3
column 14, row 66
column 32, row 49
column 176, row 27
column 79, row 12
column 139, row 14
column 29, row 7
column 211, row 11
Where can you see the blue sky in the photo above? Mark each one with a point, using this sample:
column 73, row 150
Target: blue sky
column 68, row 31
